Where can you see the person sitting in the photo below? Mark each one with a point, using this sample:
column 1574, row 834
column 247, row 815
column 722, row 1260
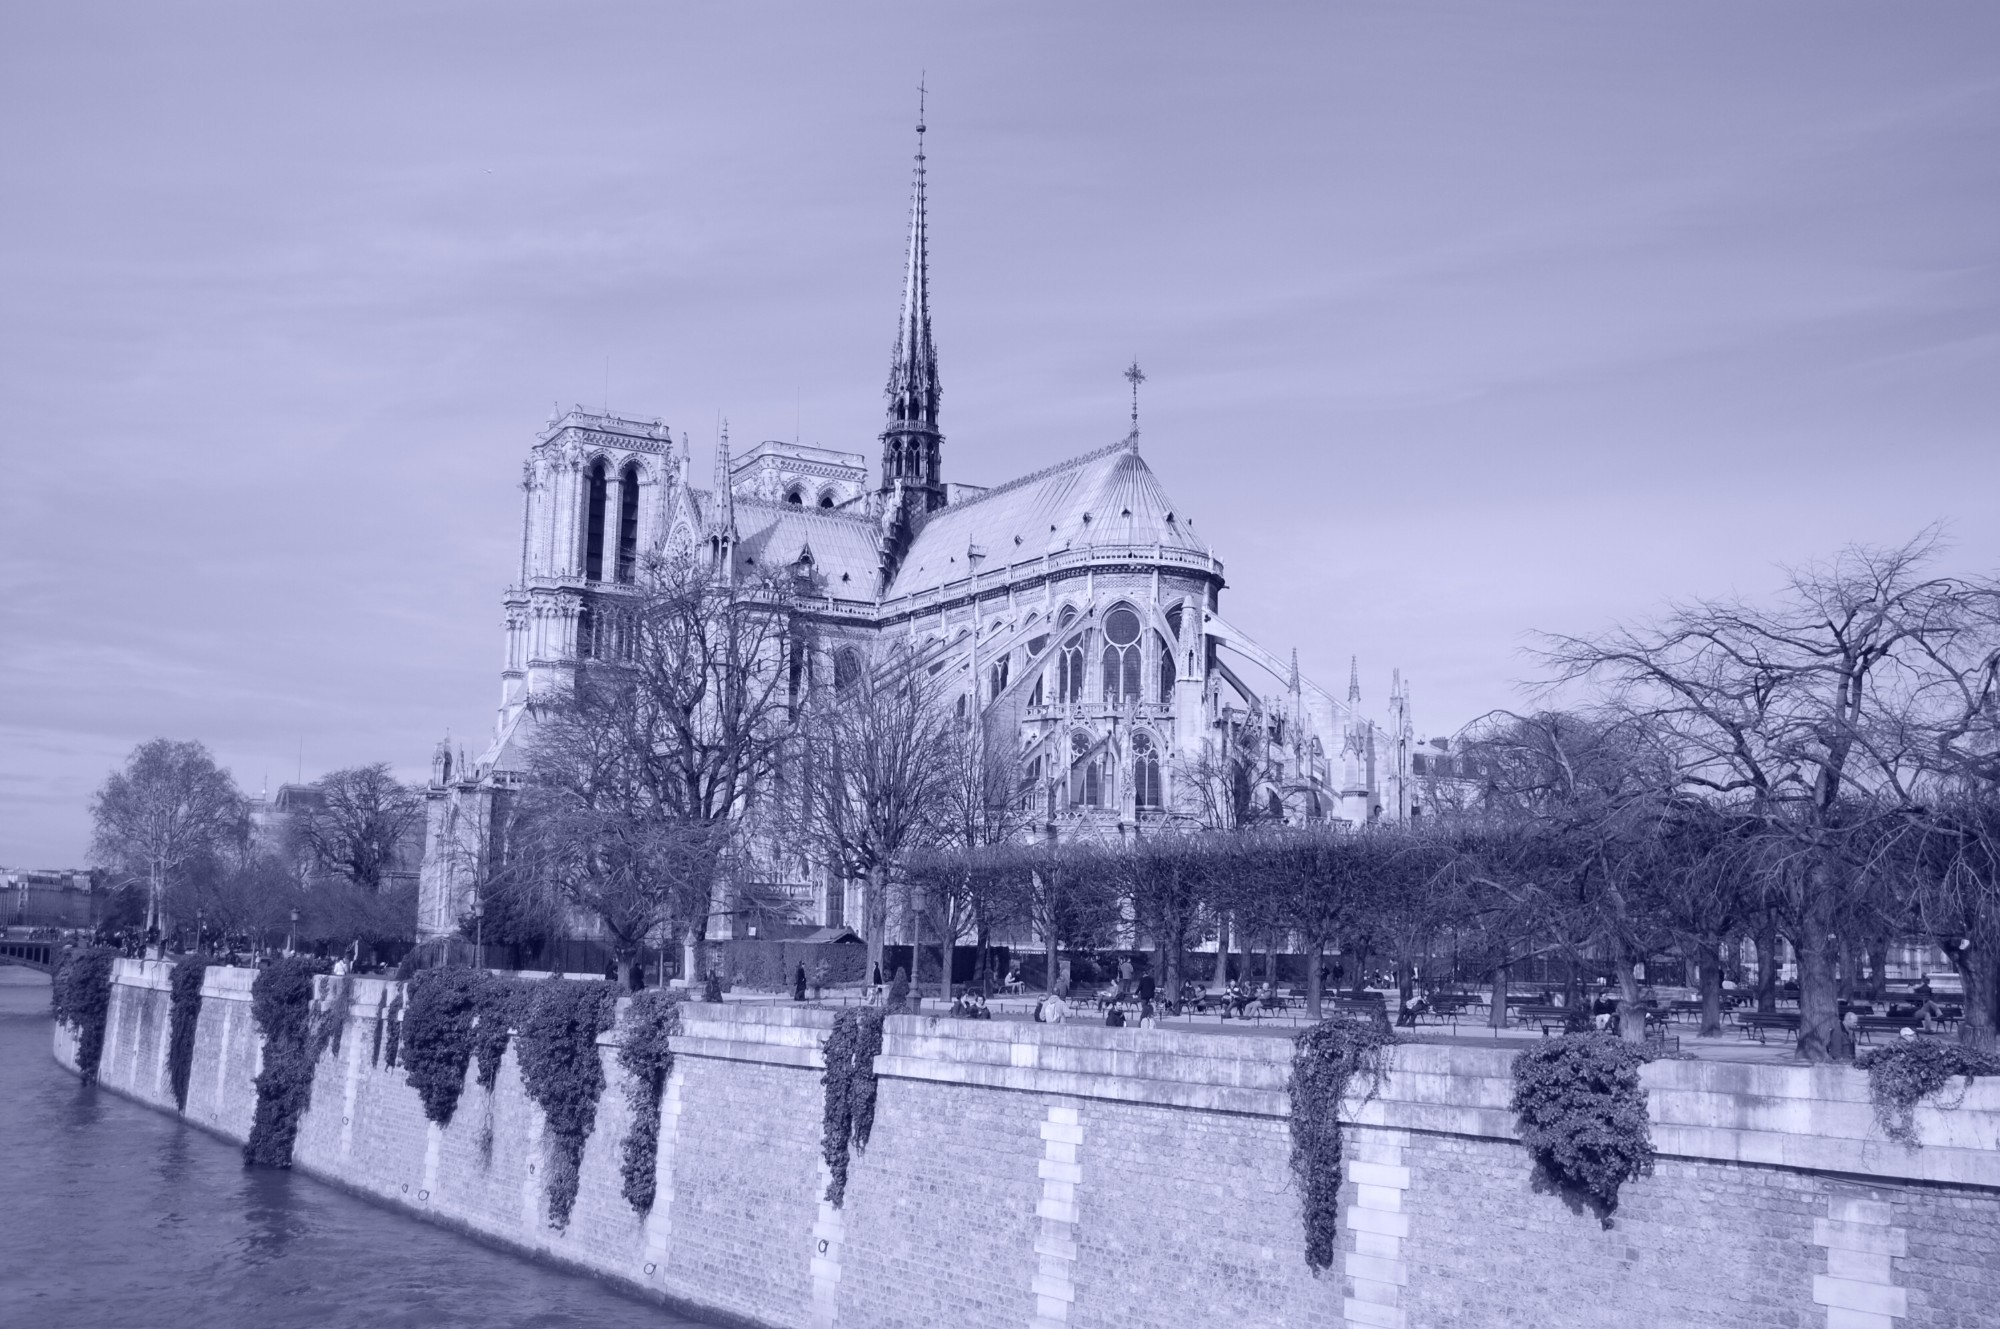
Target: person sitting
column 1238, row 1000
column 1149, row 1018
column 1413, row 1009
column 1115, row 1017
column 1055, row 1009
column 975, row 1007
column 1013, row 983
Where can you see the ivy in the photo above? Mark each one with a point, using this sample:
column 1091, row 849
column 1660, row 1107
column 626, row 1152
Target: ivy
column 1583, row 1115
column 437, row 1036
column 647, row 1054
column 1325, row 1060
column 389, row 1030
column 850, row 1051
column 565, row 1075
column 80, row 997
column 184, row 1007
column 1906, row 1072
column 281, row 1000
column 502, row 1003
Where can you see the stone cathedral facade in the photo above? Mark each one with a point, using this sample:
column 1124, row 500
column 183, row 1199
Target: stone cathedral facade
column 1079, row 610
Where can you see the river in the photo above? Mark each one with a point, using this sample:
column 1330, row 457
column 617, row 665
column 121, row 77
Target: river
column 114, row 1216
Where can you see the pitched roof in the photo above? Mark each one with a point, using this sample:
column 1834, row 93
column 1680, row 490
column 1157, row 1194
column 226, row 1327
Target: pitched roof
column 771, row 535
column 1107, row 497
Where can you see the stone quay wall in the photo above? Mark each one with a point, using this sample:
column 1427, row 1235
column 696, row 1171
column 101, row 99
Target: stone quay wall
column 1043, row 1176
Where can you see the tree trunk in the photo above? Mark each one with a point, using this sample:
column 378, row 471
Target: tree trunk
column 1049, row 956
column 1979, row 966
column 1711, row 992
column 1850, row 969
column 1271, row 960
column 1313, row 982
column 875, row 918
column 1221, row 951
column 697, row 952
column 1821, row 1037
column 1497, row 1017
column 1878, row 970
column 1631, row 1020
column 1767, row 970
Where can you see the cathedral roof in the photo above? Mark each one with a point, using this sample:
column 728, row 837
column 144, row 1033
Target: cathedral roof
column 842, row 544
column 1105, row 498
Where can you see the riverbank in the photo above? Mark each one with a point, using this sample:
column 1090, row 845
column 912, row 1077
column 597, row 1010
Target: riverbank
column 1080, row 1175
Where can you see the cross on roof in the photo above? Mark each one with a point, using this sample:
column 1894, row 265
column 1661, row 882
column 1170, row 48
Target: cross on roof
column 1135, row 376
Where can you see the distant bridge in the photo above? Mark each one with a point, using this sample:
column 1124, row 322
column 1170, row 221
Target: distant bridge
column 33, row 954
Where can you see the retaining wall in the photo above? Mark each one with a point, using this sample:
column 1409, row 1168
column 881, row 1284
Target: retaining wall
column 1040, row 1175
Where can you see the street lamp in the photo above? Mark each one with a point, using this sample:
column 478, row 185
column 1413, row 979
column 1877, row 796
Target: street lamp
column 292, row 942
column 478, row 913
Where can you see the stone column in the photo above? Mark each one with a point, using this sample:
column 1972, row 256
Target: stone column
column 614, row 508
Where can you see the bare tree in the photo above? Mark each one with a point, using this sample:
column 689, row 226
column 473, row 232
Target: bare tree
column 1789, row 713
column 876, row 771
column 169, row 808
column 642, row 774
column 354, row 824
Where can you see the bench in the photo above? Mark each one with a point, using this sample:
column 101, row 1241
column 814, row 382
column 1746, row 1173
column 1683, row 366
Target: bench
column 1757, row 1025
column 1866, row 1025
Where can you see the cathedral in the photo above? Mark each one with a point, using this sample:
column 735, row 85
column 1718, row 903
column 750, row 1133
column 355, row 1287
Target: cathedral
column 1079, row 607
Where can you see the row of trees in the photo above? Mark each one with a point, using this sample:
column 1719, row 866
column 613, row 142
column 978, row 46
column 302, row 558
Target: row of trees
column 190, row 860
column 1823, row 768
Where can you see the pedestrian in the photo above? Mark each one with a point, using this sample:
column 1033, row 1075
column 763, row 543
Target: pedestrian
column 1125, row 976
column 799, row 982
column 1146, row 988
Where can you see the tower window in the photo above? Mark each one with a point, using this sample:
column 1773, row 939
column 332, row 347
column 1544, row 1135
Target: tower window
column 594, row 514
column 628, row 524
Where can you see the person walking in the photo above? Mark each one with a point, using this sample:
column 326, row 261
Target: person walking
column 799, row 982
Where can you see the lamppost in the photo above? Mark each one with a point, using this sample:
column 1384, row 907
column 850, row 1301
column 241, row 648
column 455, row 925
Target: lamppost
column 292, row 942
column 478, row 913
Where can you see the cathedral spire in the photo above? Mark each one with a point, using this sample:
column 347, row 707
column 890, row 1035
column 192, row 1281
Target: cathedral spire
column 722, row 507
column 910, row 441
column 1353, row 680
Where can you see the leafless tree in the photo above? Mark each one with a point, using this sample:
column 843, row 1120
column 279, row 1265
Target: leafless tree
column 1789, row 713
column 642, row 774
column 168, row 809
column 355, row 824
column 876, row 771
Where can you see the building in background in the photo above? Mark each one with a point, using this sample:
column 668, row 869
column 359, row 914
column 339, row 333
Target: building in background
column 1076, row 612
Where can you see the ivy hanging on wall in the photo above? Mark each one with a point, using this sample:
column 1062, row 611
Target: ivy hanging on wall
column 501, row 1004
column 1906, row 1072
column 647, row 1054
column 443, row 1005
column 281, row 1000
column 850, row 1051
column 80, row 997
column 1583, row 1115
column 184, row 1014
column 1325, row 1060
column 564, row 1074
column 390, row 1030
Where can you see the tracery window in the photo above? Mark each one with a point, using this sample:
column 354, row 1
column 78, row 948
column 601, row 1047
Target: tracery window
column 1164, row 649
column 1121, row 655
column 1069, row 670
column 846, row 668
column 1000, row 675
column 1146, row 788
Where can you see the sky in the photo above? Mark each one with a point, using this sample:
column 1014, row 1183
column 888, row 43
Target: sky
column 1461, row 322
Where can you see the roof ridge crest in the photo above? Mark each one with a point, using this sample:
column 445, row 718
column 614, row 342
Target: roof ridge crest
column 1042, row 474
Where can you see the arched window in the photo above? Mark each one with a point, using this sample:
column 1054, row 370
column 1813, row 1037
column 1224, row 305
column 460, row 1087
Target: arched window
column 1035, row 694
column 586, row 631
column 593, row 512
column 1174, row 622
column 826, row 498
column 1165, row 650
column 796, row 497
column 1121, row 655
column 846, row 668
column 1069, row 670
column 1146, row 790
column 1082, row 774
column 1068, row 613
column 628, row 523
column 1000, row 675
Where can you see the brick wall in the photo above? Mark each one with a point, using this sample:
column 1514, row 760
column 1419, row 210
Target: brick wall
column 1040, row 1176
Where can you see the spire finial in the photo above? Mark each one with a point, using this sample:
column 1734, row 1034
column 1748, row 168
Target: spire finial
column 1353, row 678
column 1293, row 683
column 1135, row 376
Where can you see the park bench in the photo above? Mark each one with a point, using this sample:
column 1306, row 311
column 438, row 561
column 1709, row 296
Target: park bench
column 1893, row 1025
column 1757, row 1025
column 1552, row 1019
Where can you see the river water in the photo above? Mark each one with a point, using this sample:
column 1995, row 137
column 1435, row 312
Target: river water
column 114, row 1215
